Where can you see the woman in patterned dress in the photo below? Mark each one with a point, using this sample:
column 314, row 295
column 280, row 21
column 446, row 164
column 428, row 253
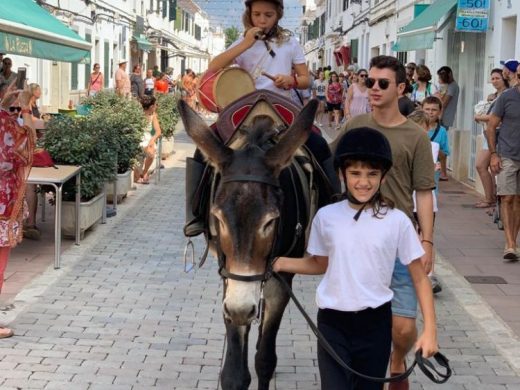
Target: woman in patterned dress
column 16, row 150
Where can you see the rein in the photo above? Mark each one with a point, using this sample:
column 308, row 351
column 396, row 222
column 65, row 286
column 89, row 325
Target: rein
column 424, row 364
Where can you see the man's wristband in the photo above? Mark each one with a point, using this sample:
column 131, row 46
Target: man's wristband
column 493, row 153
column 25, row 111
column 428, row 241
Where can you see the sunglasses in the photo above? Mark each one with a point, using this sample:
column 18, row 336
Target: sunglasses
column 383, row 83
column 363, row 75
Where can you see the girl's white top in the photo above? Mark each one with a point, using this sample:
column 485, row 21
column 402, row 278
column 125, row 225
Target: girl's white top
column 257, row 59
column 362, row 255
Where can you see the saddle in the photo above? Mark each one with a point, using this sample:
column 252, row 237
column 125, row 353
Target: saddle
column 304, row 183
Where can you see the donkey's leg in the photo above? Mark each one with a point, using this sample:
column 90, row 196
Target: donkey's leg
column 276, row 300
column 235, row 373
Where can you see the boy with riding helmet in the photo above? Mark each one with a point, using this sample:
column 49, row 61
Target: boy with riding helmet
column 354, row 296
column 267, row 48
column 413, row 170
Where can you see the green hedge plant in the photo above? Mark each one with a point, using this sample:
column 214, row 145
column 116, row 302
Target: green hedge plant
column 79, row 141
column 167, row 114
column 124, row 120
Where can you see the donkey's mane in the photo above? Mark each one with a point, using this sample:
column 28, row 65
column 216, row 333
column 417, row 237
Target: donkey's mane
column 261, row 131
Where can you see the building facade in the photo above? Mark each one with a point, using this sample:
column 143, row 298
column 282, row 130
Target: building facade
column 167, row 33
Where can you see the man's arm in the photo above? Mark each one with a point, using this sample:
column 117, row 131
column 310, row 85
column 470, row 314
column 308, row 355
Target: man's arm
column 491, row 135
column 425, row 216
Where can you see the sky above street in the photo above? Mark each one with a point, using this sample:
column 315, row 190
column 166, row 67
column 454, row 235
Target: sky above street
column 227, row 13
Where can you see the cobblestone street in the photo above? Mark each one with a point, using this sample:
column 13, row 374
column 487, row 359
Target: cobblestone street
column 122, row 314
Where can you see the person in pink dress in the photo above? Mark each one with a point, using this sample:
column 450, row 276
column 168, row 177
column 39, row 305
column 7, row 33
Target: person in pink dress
column 356, row 102
column 16, row 151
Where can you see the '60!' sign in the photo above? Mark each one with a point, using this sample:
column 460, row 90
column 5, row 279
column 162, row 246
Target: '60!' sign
column 472, row 15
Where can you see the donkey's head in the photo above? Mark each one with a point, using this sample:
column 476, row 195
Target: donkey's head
column 247, row 202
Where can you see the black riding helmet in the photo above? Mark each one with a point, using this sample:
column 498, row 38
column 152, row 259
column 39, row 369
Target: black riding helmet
column 275, row 2
column 363, row 144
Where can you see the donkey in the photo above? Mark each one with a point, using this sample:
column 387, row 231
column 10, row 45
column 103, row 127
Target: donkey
column 247, row 205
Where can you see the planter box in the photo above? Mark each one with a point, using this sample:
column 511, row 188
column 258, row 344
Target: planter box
column 167, row 147
column 90, row 213
column 124, row 184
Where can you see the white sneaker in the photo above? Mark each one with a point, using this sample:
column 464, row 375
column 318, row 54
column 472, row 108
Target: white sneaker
column 436, row 285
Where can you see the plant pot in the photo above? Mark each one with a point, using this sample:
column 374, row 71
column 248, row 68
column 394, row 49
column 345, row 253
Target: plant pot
column 124, row 184
column 90, row 213
column 167, row 147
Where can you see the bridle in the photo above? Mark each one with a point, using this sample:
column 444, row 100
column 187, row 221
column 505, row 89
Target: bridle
column 222, row 270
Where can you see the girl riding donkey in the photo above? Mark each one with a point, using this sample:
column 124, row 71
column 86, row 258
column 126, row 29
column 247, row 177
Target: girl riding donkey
column 270, row 54
column 354, row 297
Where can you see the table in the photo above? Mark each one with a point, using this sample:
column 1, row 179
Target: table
column 56, row 177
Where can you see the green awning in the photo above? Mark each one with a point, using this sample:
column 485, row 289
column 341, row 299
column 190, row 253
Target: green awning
column 29, row 30
column 420, row 32
column 142, row 42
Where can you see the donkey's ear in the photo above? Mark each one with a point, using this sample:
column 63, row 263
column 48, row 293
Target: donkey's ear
column 280, row 155
column 214, row 150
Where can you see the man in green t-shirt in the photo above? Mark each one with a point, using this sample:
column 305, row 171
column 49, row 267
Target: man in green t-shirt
column 413, row 170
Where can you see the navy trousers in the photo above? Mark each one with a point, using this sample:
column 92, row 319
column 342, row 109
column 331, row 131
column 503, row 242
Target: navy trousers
column 362, row 339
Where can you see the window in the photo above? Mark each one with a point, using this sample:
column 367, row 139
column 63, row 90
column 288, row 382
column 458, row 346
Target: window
column 106, row 63
column 178, row 20
column 402, row 56
column 173, row 10
column 88, row 38
column 322, row 25
column 164, row 9
column 198, row 32
column 345, row 5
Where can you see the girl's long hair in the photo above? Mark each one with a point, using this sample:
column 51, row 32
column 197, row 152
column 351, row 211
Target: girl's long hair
column 279, row 33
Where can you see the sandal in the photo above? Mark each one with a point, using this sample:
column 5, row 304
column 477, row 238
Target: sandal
column 5, row 332
column 143, row 181
column 483, row 204
column 32, row 233
column 401, row 385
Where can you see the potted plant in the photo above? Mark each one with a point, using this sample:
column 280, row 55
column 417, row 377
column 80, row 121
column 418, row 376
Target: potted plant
column 79, row 141
column 124, row 121
column 168, row 116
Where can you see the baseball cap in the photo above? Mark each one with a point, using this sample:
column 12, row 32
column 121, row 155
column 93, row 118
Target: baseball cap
column 122, row 61
column 510, row 64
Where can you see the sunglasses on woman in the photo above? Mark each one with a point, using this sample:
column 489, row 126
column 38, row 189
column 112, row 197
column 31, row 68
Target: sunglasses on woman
column 383, row 83
column 363, row 75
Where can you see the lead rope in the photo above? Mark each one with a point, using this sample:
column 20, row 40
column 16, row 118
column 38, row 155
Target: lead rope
column 423, row 363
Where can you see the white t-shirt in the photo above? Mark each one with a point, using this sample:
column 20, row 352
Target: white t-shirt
column 257, row 59
column 149, row 83
column 320, row 86
column 361, row 254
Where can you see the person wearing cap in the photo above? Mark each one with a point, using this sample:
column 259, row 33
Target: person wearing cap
column 267, row 51
column 122, row 80
column 413, row 170
column 354, row 297
column 509, row 71
column 505, row 161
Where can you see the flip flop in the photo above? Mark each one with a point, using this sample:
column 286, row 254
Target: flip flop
column 483, row 204
column 143, row 181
